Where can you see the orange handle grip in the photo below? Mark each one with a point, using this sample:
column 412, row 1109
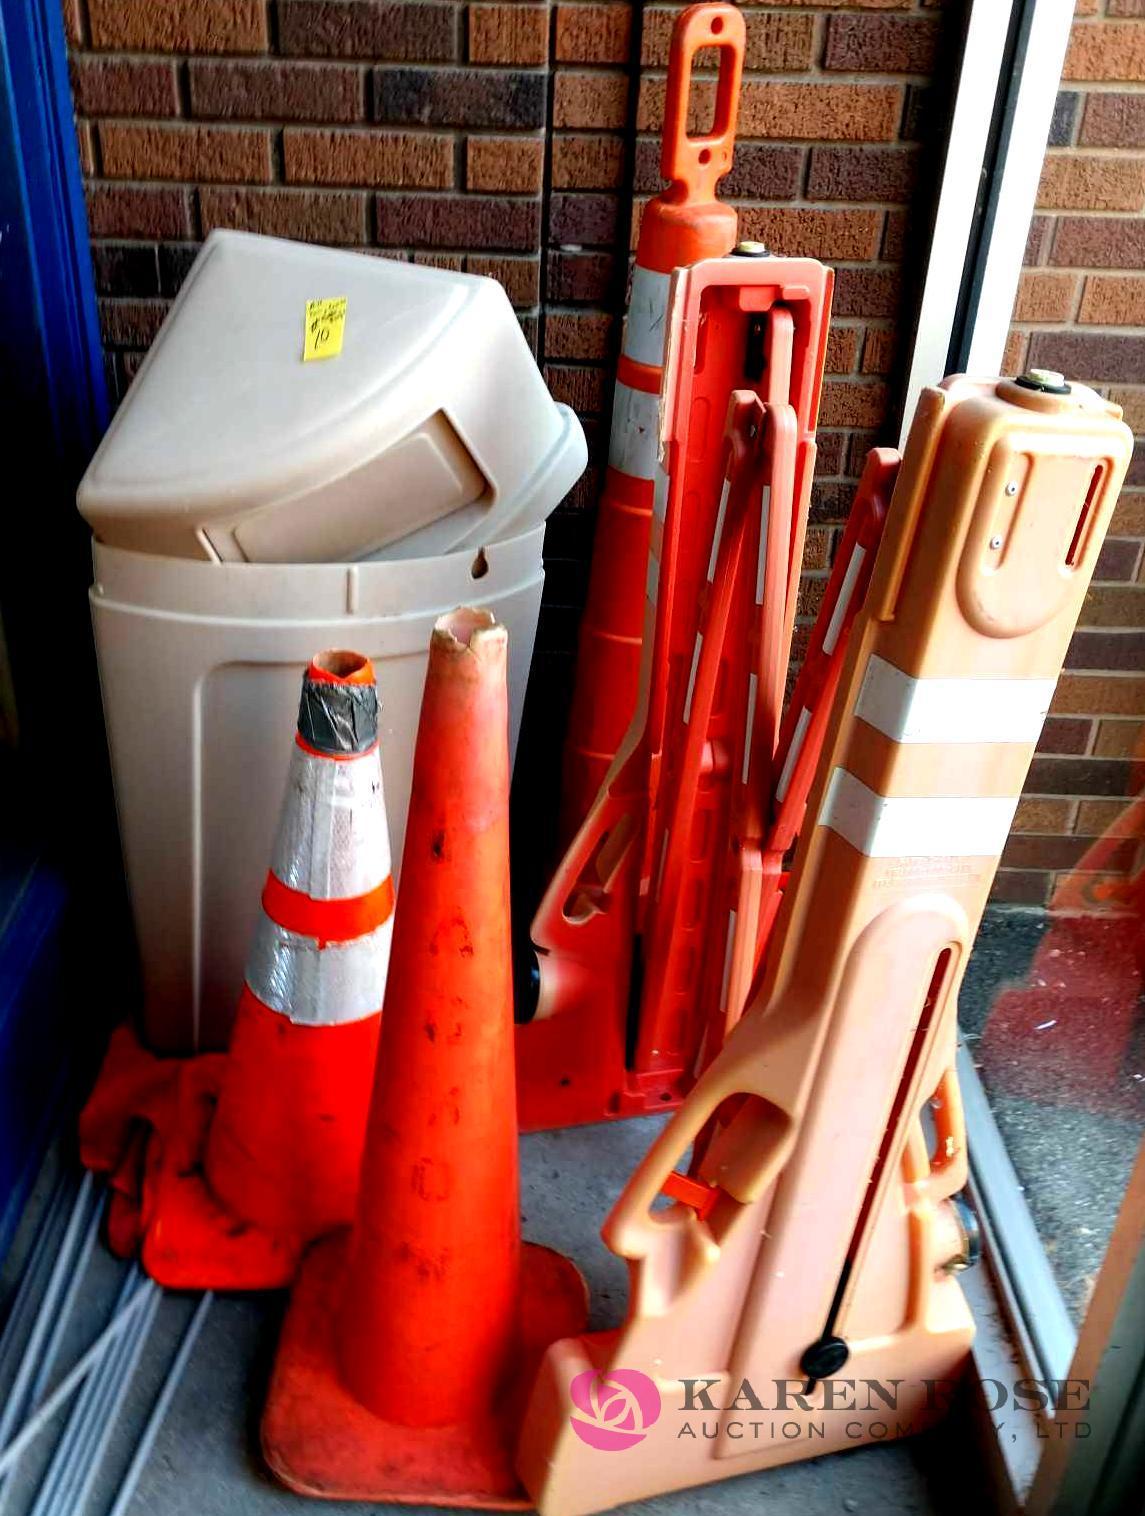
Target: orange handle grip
column 697, row 164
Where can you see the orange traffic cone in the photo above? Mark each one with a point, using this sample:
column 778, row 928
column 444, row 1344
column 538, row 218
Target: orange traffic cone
column 411, row 1343
column 254, row 1154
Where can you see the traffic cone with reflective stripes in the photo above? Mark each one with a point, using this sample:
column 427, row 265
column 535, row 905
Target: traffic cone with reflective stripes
column 254, row 1154
column 411, row 1342
column 679, row 226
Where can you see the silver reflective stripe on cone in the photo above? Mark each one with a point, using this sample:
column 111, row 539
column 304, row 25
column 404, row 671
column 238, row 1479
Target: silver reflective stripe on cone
column 633, row 448
column 316, row 985
column 952, row 826
column 952, row 710
column 646, row 327
column 333, row 842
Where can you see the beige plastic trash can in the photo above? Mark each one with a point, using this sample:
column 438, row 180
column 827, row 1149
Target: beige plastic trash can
column 431, row 430
column 251, row 509
column 200, row 667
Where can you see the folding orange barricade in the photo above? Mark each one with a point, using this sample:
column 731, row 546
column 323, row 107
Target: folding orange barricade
column 756, row 325
column 820, row 1228
column 681, row 225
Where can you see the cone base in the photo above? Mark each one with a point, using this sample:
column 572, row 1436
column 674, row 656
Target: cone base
column 319, row 1440
column 145, row 1126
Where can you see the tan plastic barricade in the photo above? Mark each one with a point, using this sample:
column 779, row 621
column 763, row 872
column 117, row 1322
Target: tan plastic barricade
column 819, row 1237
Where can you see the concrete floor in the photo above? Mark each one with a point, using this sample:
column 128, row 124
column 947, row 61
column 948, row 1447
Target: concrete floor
column 205, row 1461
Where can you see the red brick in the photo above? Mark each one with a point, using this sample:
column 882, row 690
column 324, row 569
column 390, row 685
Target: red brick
column 1013, row 887
column 857, row 5
column 1014, row 353
column 1091, row 356
column 775, row 44
column 1129, row 514
column 894, row 237
column 1105, row 818
column 126, row 269
column 1116, row 652
column 886, row 174
column 1101, row 694
column 1113, row 120
column 830, row 448
column 848, row 236
column 1035, row 813
column 508, row 33
column 1132, row 402
column 593, row 33
column 73, row 22
column 520, row 277
column 1124, row 7
column 273, row 91
column 216, row 153
column 842, row 350
column 879, row 350
column 1119, row 739
column 582, row 388
column 815, row 112
column 85, row 142
column 460, row 97
column 179, row 26
column 1045, row 296
column 583, row 220
column 1114, row 606
column 367, row 158
column 462, row 221
column 590, row 100
column 507, row 165
column 1065, row 734
column 131, row 323
column 882, row 44
column 399, row 31
column 1099, row 242
column 330, row 216
column 587, row 162
column 119, row 210
column 760, row 171
column 853, row 403
column 1072, row 181
column 866, row 292
column 1114, row 300
column 575, row 277
column 577, row 334
column 1076, row 776
column 1106, row 51
column 124, row 86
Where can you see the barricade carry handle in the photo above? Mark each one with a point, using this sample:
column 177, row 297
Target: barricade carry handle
column 695, row 165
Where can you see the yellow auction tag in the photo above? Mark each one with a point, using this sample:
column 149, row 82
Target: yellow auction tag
column 325, row 324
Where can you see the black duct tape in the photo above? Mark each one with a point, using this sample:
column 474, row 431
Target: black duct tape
column 338, row 718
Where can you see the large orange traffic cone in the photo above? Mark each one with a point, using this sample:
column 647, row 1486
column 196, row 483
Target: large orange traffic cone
column 253, row 1155
column 411, row 1343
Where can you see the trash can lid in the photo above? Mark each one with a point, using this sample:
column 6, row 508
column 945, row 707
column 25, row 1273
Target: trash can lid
column 239, row 440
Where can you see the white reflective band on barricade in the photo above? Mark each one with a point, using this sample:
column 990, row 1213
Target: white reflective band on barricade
column 660, row 495
column 941, row 827
column 633, row 446
column 333, row 842
column 646, row 327
column 847, row 589
column 952, row 710
column 318, row 986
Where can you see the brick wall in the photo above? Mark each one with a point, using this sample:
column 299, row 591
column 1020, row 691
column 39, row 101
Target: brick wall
column 520, row 140
column 1081, row 309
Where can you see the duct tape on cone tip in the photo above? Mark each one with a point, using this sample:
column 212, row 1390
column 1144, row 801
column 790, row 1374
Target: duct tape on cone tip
column 338, row 718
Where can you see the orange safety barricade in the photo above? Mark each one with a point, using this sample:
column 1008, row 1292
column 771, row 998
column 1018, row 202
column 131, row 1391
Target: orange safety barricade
column 681, row 225
column 758, row 325
column 250, row 1155
column 818, row 1228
